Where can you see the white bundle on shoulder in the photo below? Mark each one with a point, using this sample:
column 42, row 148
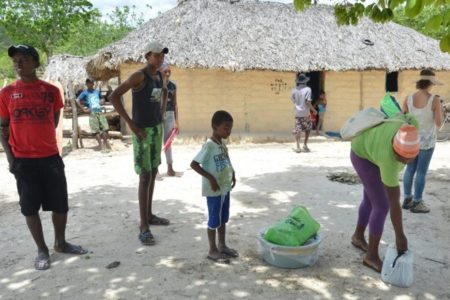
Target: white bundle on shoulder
column 398, row 268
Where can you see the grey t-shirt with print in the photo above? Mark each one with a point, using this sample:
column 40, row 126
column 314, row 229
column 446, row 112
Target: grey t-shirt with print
column 214, row 159
column 301, row 95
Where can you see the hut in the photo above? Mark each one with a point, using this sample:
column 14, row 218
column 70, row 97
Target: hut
column 70, row 70
column 241, row 56
column 67, row 70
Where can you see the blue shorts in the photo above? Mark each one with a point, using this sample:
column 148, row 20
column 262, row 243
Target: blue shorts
column 218, row 210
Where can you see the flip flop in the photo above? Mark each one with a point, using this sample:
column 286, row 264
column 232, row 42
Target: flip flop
column 306, row 149
column 296, row 150
column 42, row 263
column 218, row 260
column 146, row 238
column 71, row 249
column 359, row 246
column 371, row 267
column 155, row 220
column 230, row 252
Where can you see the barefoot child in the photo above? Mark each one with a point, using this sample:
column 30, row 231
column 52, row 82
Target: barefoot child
column 214, row 164
column 321, row 109
column 97, row 119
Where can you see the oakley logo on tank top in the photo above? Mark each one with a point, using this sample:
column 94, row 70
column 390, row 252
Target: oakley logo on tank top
column 146, row 109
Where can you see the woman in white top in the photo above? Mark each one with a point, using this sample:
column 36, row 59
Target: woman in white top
column 427, row 109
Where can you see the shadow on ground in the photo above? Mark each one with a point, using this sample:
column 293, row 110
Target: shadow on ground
column 104, row 219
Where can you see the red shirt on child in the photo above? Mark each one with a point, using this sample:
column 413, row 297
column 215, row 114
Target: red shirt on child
column 30, row 108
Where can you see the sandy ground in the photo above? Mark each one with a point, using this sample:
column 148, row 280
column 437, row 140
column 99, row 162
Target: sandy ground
column 271, row 179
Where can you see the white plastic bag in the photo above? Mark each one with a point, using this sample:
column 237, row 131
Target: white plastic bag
column 363, row 120
column 398, row 269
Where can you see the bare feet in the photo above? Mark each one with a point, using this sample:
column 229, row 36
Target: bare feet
column 374, row 263
column 171, row 172
column 359, row 243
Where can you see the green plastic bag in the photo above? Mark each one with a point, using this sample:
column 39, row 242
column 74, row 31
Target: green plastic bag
column 389, row 105
column 295, row 230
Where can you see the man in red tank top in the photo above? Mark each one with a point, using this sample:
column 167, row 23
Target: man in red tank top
column 29, row 114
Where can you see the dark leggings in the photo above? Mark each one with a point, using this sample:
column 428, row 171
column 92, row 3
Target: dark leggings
column 375, row 204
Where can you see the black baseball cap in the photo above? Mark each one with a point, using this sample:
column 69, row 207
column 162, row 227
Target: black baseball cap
column 24, row 49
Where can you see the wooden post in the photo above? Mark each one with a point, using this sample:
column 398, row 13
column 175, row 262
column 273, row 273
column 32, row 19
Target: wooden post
column 123, row 125
column 71, row 96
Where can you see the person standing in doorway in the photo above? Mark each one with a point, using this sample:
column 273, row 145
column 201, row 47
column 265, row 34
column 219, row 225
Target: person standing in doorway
column 149, row 96
column 321, row 107
column 301, row 97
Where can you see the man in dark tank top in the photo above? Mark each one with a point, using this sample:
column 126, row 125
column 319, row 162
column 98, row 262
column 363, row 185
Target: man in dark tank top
column 149, row 100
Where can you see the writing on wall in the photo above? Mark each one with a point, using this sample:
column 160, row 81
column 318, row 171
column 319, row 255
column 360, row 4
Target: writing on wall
column 278, row 86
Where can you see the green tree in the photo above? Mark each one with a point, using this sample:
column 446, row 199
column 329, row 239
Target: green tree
column 45, row 24
column 6, row 71
column 86, row 38
column 385, row 10
column 425, row 21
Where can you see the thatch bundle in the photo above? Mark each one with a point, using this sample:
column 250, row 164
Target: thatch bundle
column 272, row 36
column 101, row 68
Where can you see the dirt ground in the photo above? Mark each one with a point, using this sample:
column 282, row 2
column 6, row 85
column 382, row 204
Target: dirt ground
column 271, row 179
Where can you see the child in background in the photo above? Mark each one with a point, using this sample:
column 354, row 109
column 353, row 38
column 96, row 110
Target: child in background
column 321, row 108
column 90, row 102
column 214, row 164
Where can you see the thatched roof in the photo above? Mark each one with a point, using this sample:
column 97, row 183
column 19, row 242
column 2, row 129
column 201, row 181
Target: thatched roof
column 273, row 36
column 67, row 68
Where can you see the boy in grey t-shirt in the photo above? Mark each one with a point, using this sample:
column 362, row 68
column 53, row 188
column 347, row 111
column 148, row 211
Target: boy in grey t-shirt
column 214, row 164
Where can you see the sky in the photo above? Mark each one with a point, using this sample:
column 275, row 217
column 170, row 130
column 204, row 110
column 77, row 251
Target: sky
column 106, row 6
